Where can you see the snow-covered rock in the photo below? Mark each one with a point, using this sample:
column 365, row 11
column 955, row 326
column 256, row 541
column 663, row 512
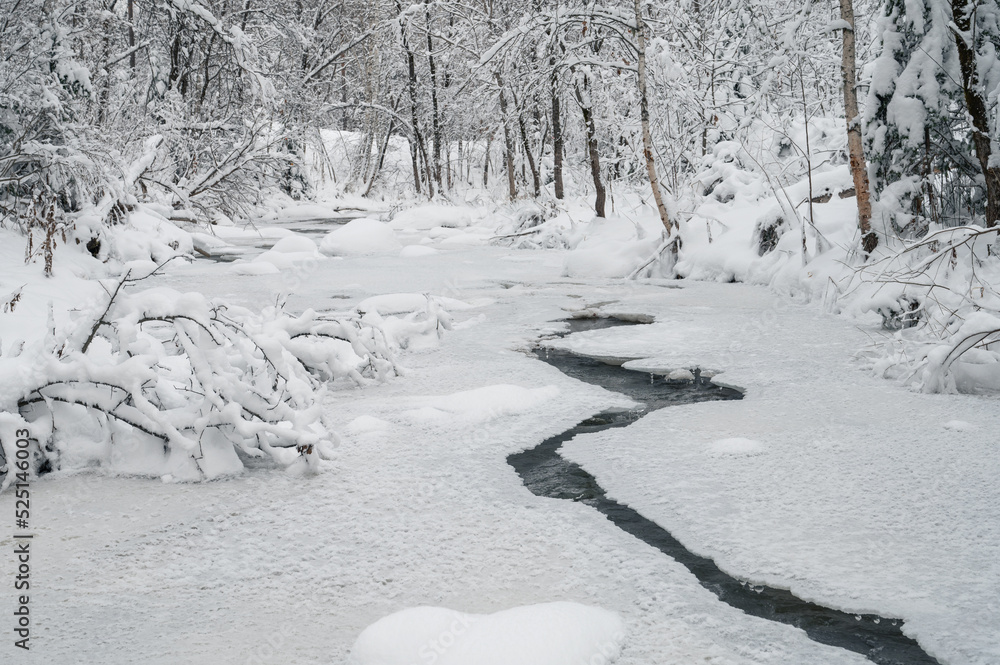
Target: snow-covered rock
column 360, row 236
column 289, row 252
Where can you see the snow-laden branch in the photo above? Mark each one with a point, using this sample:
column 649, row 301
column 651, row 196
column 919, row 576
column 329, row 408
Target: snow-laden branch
column 185, row 385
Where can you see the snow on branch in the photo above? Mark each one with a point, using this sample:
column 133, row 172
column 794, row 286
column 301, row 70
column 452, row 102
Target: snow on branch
column 159, row 382
column 938, row 295
column 243, row 49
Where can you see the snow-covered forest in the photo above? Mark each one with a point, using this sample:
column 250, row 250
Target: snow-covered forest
column 343, row 331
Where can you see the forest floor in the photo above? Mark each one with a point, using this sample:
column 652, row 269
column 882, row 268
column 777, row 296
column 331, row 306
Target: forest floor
column 851, row 491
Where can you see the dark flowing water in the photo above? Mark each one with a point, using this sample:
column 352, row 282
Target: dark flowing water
column 547, row 474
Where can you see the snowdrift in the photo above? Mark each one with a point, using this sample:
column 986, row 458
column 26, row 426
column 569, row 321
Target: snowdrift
column 560, row 633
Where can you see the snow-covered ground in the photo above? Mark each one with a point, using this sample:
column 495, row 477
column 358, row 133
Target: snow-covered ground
column 850, row 490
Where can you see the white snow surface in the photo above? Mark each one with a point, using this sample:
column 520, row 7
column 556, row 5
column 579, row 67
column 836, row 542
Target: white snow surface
column 417, row 251
column 558, row 633
column 859, row 494
column 479, row 405
column 426, row 217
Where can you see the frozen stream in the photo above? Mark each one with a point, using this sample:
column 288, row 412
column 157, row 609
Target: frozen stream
column 255, row 241
column 548, row 474
column 860, row 495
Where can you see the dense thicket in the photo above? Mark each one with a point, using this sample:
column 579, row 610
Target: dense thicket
column 209, row 102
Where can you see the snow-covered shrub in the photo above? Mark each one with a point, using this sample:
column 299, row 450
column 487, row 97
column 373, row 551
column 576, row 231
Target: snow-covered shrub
column 175, row 384
column 537, row 225
column 727, row 172
column 408, row 320
column 939, row 295
column 616, row 247
column 51, row 163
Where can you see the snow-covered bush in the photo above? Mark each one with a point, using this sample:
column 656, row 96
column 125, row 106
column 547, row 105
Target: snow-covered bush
column 938, row 294
column 537, row 225
column 178, row 385
column 408, row 320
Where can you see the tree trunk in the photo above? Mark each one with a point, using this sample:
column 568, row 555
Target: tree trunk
column 595, row 157
column 436, row 117
column 535, row 182
column 428, row 169
column 859, row 167
column 508, row 142
column 557, row 145
column 486, row 161
column 976, row 106
column 416, row 141
column 647, row 138
column 131, row 33
column 932, row 205
column 381, row 156
column 246, row 15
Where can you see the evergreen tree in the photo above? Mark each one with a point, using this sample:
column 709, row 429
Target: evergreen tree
column 920, row 130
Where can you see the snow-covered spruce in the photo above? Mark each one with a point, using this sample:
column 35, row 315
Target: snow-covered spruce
column 178, row 385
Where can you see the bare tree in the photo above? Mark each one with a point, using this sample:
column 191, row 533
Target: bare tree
column 647, row 139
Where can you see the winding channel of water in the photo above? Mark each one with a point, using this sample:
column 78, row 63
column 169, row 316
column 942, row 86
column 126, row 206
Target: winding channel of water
column 547, row 474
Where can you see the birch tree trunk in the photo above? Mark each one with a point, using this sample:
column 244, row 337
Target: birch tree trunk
column 647, row 138
column 859, row 167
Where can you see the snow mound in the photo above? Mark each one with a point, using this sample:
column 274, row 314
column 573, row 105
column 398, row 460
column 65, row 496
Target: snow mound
column 427, row 217
column 959, row 426
column 560, row 633
column 403, row 303
column 294, row 244
column 413, row 251
column 360, row 236
column 479, row 405
column 366, row 424
column 290, row 251
column 254, row 268
column 736, row 447
column 612, row 247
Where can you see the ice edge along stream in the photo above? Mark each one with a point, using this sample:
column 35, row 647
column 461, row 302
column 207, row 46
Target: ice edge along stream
column 548, row 474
